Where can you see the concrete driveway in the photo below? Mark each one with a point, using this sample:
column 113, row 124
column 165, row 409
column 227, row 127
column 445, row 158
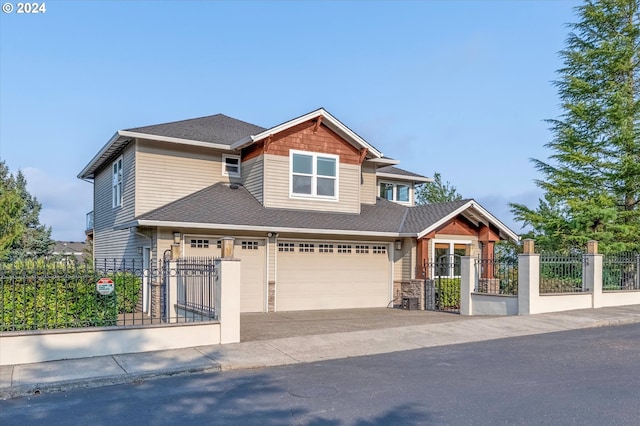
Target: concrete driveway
column 276, row 325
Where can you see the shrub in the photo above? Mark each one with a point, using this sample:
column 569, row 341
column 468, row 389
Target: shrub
column 449, row 293
column 40, row 295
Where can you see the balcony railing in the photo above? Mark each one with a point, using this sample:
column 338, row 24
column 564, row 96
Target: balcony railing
column 89, row 225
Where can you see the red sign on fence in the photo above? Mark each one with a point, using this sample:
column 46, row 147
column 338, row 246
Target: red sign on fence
column 105, row 286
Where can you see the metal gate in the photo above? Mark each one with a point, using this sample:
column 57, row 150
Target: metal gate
column 442, row 284
column 195, row 292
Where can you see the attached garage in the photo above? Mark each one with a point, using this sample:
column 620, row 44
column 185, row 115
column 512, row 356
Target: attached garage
column 251, row 252
column 332, row 275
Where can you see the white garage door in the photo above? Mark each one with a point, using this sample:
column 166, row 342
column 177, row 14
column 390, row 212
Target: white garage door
column 331, row 275
column 251, row 252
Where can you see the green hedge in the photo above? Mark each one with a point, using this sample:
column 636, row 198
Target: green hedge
column 448, row 293
column 45, row 296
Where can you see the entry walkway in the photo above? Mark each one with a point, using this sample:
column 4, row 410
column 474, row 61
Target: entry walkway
column 300, row 338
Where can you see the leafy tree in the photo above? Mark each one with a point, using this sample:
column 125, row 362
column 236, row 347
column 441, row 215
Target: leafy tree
column 592, row 181
column 22, row 233
column 437, row 192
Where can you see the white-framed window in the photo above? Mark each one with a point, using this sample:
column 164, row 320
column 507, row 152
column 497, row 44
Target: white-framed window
column 231, row 165
column 445, row 257
column 116, row 182
column 314, row 175
column 398, row 192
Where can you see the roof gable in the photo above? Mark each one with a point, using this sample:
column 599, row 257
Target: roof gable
column 322, row 117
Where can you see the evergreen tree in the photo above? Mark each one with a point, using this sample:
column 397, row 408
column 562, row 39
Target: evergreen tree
column 11, row 206
column 22, row 234
column 437, row 192
column 592, row 181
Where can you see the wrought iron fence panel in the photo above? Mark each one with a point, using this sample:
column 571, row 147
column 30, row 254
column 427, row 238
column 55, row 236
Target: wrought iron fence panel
column 442, row 287
column 43, row 294
column 560, row 273
column 196, row 291
column 621, row 271
column 497, row 276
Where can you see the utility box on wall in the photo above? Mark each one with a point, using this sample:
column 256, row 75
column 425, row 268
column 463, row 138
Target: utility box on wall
column 410, row 303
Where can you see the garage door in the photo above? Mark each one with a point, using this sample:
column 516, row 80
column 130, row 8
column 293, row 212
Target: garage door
column 331, row 275
column 251, row 252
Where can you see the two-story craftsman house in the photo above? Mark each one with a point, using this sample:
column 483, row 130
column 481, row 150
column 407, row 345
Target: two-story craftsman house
column 321, row 218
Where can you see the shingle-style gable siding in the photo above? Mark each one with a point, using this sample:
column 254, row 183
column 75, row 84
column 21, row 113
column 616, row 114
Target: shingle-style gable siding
column 302, row 137
column 276, row 168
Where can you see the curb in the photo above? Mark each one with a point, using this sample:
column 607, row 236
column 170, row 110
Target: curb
column 131, row 378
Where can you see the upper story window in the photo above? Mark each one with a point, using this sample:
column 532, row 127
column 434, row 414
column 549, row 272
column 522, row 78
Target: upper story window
column 399, row 192
column 314, row 175
column 116, row 185
column 231, row 165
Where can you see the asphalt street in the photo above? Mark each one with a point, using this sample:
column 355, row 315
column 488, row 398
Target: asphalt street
column 582, row 377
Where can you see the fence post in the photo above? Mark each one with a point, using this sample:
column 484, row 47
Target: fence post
column 592, row 274
column 227, row 285
column 172, row 292
column 528, row 279
column 467, row 284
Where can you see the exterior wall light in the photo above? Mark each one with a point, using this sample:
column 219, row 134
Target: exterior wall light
column 176, row 238
column 398, row 244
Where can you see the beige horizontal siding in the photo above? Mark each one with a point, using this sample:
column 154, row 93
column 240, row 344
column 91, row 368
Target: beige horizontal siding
column 252, row 176
column 167, row 173
column 276, row 191
column 368, row 188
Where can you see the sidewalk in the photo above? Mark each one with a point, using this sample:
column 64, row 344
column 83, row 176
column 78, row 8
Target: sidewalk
column 47, row 377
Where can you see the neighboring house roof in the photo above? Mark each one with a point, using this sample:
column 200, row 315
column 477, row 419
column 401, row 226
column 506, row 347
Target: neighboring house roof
column 398, row 173
column 237, row 209
column 69, row 248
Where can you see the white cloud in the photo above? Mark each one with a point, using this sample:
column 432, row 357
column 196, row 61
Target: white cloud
column 65, row 200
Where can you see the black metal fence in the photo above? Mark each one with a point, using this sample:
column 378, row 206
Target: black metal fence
column 196, row 291
column 621, row 271
column 44, row 294
column 442, row 285
column 560, row 273
column 497, row 276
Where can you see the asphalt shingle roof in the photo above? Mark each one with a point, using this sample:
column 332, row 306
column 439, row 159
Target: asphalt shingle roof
column 220, row 204
column 398, row 171
column 219, row 129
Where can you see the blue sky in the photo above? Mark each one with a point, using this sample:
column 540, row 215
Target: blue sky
column 458, row 87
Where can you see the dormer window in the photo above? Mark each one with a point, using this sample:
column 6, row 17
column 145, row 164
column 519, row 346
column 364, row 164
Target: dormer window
column 314, row 175
column 399, row 192
column 231, row 165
